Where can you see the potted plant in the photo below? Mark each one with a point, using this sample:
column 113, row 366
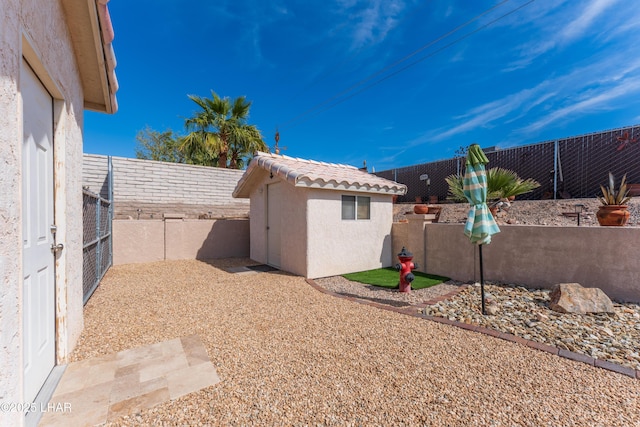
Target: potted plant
column 613, row 210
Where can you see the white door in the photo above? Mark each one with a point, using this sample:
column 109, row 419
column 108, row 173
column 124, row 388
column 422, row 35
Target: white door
column 38, row 303
column 274, row 197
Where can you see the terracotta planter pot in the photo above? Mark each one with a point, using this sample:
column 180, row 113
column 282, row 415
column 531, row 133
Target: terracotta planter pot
column 421, row 209
column 612, row 215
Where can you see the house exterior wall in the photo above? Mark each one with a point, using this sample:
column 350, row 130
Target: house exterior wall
column 337, row 246
column 38, row 31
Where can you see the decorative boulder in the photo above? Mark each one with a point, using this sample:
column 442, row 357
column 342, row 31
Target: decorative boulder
column 573, row 298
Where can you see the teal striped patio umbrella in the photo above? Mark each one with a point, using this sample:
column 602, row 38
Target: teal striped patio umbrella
column 480, row 224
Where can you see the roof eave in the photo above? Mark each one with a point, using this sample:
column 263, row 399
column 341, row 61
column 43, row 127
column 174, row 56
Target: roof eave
column 94, row 54
column 344, row 186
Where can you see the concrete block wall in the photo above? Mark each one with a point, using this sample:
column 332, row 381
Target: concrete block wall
column 160, row 187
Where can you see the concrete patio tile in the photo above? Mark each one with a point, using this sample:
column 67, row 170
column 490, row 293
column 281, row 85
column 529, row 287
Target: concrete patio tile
column 194, row 350
column 135, row 355
column 152, row 385
column 137, row 403
column 123, row 371
column 111, row 386
column 87, row 375
column 89, row 406
column 159, row 367
column 170, row 347
column 191, row 379
column 125, row 387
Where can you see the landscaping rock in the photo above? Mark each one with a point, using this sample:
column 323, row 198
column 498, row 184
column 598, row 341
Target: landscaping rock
column 573, row 298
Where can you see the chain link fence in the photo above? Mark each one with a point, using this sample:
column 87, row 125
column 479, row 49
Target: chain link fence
column 572, row 167
column 97, row 252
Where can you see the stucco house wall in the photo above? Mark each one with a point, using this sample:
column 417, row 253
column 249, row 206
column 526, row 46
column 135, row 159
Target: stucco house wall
column 39, row 32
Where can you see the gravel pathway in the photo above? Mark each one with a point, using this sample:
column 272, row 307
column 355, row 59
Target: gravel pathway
column 290, row 355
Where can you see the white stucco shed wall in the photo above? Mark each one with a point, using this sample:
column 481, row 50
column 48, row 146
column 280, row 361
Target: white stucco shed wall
column 315, row 240
column 293, row 225
column 258, row 221
column 294, row 229
column 37, row 30
column 337, row 246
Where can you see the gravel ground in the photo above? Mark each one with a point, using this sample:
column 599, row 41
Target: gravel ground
column 290, row 355
column 531, row 212
column 518, row 311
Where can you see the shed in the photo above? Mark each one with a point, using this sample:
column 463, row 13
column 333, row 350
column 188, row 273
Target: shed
column 56, row 60
column 317, row 219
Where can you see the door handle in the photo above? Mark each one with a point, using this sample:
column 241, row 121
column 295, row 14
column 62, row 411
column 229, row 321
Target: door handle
column 56, row 248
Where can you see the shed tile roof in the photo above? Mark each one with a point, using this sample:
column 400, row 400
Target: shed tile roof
column 313, row 174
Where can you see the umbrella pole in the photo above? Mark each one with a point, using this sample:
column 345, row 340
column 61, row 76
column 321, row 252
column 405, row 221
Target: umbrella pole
column 484, row 312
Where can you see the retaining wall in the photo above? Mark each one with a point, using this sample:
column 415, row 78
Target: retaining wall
column 533, row 256
column 171, row 239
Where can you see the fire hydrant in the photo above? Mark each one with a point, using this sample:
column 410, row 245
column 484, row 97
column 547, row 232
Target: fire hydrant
column 404, row 267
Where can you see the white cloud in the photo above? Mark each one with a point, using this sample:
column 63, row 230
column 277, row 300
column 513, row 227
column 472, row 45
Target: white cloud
column 596, row 86
column 372, row 20
column 485, row 115
column 556, row 26
column 581, row 24
column 598, row 100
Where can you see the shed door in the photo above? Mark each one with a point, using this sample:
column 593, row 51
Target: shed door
column 274, row 198
column 38, row 291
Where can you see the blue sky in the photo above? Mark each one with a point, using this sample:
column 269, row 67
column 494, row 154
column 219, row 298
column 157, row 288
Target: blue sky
column 392, row 82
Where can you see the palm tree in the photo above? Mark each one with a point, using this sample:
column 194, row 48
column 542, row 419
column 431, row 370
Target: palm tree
column 246, row 140
column 219, row 132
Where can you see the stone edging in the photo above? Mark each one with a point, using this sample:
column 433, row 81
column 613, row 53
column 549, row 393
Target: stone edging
column 415, row 311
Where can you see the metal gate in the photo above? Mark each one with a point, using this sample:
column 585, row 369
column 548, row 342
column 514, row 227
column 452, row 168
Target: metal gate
column 97, row 252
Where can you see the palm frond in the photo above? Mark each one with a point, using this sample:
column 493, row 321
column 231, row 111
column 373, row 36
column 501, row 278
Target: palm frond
column 501, row 183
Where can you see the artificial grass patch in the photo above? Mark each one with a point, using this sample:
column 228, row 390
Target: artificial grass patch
column 389, row 278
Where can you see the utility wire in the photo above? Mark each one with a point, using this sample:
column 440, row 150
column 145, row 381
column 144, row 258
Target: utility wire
column 299, row 119
column 345, row 61
column 399, row 61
